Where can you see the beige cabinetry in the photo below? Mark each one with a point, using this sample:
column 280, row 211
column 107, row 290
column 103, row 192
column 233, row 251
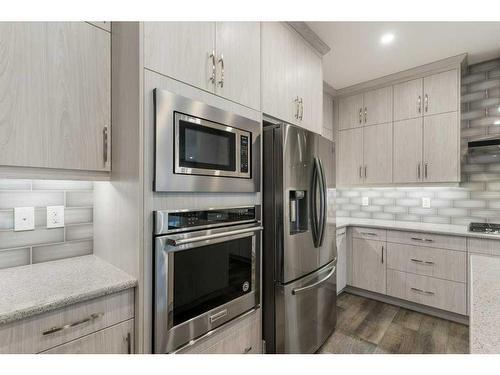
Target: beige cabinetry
column 219, row 57
column 328, row 117
column 408, row 151
column 351, row 112
column 368, row 265
column 80, row 326
column 377, row 154
column 292, row 77
column 350, row 157
column 55, row 85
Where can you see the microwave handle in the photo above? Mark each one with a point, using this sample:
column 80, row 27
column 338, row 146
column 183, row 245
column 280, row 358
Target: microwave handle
column 184, row 241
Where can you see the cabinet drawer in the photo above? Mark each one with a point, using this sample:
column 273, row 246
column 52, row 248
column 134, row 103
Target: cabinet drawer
column 440, row 263
column 45, row 331
column 118, row 339
column 484, row 246
column 240, row 337
column 427, row 240
column 369, row 233
column 441, row 294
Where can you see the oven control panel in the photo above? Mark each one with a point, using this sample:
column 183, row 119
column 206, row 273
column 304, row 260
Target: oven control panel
column 244, row 154
column 207, row 218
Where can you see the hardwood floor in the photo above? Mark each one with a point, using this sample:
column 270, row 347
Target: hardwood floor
column 366, row 326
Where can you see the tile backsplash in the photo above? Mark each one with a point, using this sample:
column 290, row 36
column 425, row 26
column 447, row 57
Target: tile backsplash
column 42, row 244
column 478, row 196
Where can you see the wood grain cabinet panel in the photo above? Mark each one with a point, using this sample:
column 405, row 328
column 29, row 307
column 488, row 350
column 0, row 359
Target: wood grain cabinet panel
column 118, row 339
column 350, row 157
column 181, row 50
column 238, row 48
column 441, row 93
column 440, row 263
column 408, row 151
column 441, row 148
column 377, row 154
column 55, row 85
column 441, row 241
column 378, row 106
column 369, row 233
column 369, row 265
column 430, row 291
column 351, row 112
column 408, row 100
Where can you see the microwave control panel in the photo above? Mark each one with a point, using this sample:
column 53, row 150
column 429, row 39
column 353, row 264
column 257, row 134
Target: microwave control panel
column 244, row 154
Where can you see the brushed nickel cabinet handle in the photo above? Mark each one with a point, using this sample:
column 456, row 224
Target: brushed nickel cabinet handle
column 247, row 350
column 425, row 170
column 418, row 171
column 416, row 260
column 129, row 343
column 91, row 318
column 296, row 101
column 426, row 100
column 368, row 234
column 417, row 290
column 301, row 103
column 105, row 145
column 429, row 263
column 212, row 57
column 419, row 104
column 422, row 239
column 382, row 254
column 365, row 170
column 221, row 61
column 361, row 115
column 422, row 291
column 360, row 171
column 366, row 114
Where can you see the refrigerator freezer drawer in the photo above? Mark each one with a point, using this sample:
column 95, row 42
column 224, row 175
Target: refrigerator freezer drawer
column 306, row 311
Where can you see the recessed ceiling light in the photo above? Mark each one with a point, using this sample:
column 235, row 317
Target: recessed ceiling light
column 497, row 122
column 387, row 38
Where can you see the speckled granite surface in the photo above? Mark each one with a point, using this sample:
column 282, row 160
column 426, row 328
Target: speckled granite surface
column 484, row 304
column 457, row 230
column 38, row 288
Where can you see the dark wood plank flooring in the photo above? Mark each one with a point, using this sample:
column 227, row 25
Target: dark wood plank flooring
column 368, row 326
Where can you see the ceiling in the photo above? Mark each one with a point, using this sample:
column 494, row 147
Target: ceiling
column 357, row 55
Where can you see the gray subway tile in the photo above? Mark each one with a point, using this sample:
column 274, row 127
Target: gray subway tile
column 6, row 219
column 422, row 211
column 79, row 232
column 453, row 194
column 383, row 216
column 350, row 207
column 436, row 219
column 473, row 186
column 485, row 194
column 453, row 211
column 14, row 257
column 438, row 203
column 371, row 208
column 79, row 199
column 342, row 200
column 469, row 203
column 62, row 185
column 408, row 202
column 383, row 201
column 371, row 193
column 408, row 217
column 394, row 194
column 420, row 194
column 467, row 220
column 495, row 204
column 360, row 215
column 485, row 213
column 484, row 177
column 340, row 213
column 395, row 209
column 349, row 193
column 60, row 251
column 11, row 199
column 10, row 239
column 11, row 184
column 493, row 186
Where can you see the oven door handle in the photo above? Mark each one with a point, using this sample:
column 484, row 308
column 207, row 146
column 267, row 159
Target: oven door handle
column 184, row 241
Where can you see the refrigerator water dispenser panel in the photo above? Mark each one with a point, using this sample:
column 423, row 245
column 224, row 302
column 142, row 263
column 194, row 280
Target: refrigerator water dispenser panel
column 298, row 211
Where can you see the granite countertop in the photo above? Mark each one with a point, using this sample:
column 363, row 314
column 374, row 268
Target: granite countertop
column 484, row 304
column 29, row 290
column 456, row 230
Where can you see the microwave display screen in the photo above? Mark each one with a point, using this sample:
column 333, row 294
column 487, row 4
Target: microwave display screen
column 206, row 148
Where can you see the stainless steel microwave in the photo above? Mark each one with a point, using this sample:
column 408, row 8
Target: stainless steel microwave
column 203, row 148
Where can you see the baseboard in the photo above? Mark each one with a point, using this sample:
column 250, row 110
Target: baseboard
column 462, row 319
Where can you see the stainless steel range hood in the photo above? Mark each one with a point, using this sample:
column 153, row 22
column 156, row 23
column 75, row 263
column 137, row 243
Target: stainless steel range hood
column 486, row 150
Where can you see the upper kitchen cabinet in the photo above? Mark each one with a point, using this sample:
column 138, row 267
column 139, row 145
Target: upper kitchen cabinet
column 408, row 99
column 219, row 57
column 351, row 112
column 350, row 151
column 55, row 84
column 370, row 108
column 292, row 77
column 328, row 117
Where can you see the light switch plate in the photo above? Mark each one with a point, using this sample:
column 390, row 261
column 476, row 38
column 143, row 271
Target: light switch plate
column 24, row 218
column 365, row 201
column 426, row 202
column 55, row 216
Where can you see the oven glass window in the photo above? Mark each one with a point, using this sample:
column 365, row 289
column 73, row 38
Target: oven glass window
column 206, row 148
column 209, row 276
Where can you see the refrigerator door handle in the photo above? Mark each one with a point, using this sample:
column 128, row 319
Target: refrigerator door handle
column 313, row 202
column 322, row 202
column 313, row 285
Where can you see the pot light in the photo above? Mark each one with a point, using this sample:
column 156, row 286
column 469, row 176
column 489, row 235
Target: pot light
column 497, row 122
column 387, row 38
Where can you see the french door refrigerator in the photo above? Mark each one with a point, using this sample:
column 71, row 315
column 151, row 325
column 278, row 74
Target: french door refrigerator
column 299, row 294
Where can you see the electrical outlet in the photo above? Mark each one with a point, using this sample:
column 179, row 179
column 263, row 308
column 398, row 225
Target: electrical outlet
column 365, row 201
column 24, row 218
column 426, row 202
column 55, row 216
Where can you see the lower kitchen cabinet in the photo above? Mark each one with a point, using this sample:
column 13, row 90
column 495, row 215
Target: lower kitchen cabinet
column 118, row 339
column 368, row 265
column 241, row 336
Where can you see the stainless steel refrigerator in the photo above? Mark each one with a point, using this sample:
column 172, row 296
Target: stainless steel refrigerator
column 299, row 257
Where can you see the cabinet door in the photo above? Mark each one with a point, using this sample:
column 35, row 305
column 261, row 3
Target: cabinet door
column 441, row 92
column 408, row 151
column 369, row 265
column 238, row 48
column 377, row 106
column 310, row 85
column 350, row 157
column 279, row 75
column 441, row 148
column 341, row 261
column 408, row 100
column 328, row 129
column 118, row 339
column 377, row 153
column 351, row 112
column 181, row 50
column 55, row 86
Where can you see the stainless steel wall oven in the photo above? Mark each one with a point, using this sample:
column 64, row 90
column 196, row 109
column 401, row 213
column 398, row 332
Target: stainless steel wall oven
column 202, row 148
column 206, row 271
